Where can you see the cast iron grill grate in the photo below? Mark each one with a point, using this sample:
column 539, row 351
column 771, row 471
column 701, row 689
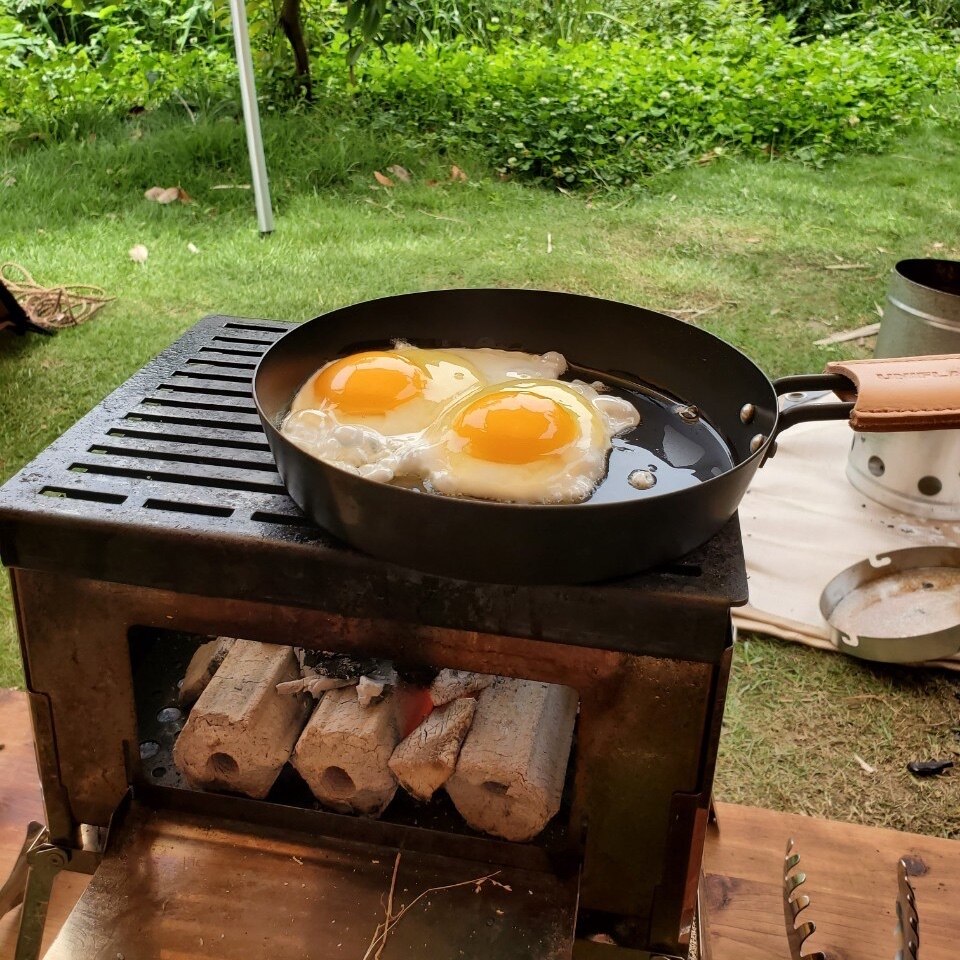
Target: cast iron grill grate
column 190, row 442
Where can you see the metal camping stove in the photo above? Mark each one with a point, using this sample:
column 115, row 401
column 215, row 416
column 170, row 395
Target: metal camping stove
column 159, row 519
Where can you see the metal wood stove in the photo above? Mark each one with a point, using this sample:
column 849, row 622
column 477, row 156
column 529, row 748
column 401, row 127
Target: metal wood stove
column 160, row 515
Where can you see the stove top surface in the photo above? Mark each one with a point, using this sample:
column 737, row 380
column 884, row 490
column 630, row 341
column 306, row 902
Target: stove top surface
column 169, row 483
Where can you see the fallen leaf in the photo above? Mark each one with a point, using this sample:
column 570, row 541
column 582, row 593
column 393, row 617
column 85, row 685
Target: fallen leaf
column 457, row 174
column 192, row 247
column 753, row 240
column 168, row 195
column 400, row 173
column 432, row 183
column 138, row 253
column 383, row 180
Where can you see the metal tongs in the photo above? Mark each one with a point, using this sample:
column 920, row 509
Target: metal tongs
column 794, row 903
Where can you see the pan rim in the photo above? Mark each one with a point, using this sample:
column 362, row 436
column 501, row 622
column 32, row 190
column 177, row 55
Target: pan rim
column 499, row 505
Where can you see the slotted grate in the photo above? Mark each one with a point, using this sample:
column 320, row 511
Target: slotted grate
column 170, row 483
column 191, row 443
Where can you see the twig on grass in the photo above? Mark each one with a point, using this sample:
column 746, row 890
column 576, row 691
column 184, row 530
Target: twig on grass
column 844, row 335
column 437, row 216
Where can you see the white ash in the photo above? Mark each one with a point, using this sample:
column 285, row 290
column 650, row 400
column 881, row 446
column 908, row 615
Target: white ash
column 452, row 684
column 371, row 687
column 315, row 686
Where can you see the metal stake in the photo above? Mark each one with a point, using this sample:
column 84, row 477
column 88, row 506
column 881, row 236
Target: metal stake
column 251, row 117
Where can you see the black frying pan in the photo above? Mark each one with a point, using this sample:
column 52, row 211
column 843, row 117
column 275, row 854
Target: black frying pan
column 620, row 530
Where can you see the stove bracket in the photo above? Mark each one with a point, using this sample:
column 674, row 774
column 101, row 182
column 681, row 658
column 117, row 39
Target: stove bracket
column 35, row 869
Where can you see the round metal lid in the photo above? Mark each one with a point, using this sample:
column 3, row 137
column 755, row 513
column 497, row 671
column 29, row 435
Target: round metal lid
column 897, row 607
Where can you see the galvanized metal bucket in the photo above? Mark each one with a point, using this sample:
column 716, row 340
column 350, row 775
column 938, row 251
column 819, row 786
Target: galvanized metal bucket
column 915, row 473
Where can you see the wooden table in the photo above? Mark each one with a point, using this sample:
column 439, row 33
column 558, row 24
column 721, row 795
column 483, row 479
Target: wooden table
column 851, row 872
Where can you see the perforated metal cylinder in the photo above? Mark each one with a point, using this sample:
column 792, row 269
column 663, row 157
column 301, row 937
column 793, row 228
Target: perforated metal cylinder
column 916, row 472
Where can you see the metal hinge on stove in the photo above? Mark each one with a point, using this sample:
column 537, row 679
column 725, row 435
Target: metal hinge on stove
column 30, row 883
column 795, row 904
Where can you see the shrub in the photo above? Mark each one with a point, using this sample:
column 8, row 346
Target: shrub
column 593, row 112
column 612, row 113
column 833, row 16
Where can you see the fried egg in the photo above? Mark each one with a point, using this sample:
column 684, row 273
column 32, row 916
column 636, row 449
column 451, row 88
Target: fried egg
column 525, row 441
column 366, row 412
column 393, row 392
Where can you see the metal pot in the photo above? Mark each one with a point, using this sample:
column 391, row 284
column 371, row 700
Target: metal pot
column 915, row 473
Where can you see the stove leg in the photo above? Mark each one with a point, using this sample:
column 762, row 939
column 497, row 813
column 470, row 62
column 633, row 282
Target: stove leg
column 42, row 862
column 11, row 893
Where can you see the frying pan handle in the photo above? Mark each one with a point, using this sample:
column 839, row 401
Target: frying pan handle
column 809, row 412
column 882, row 395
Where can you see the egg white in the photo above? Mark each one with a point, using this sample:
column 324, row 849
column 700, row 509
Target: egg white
column 498, row 366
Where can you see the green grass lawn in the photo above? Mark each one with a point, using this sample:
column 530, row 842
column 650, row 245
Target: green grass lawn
column 740, row 248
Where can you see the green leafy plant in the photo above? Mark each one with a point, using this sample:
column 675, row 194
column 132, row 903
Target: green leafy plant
column 613, row 113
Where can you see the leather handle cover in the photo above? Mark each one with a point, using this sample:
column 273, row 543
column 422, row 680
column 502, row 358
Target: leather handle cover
column 909, row 393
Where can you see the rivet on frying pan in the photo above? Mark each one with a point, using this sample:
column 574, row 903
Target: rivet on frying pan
column 691, row 414
column 641, row 479
column 747, row 412
column 757, row 442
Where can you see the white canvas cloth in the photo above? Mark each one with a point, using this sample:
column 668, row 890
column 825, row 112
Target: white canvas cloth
column 803, row 522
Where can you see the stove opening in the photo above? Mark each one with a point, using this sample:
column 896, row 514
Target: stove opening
column 374, row 739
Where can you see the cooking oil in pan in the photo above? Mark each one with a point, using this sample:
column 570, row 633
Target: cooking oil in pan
column 672, row 448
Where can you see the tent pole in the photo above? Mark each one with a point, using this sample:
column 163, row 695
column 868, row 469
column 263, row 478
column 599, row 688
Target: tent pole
column 251, row 116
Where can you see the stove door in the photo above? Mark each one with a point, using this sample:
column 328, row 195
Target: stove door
column 177, row 884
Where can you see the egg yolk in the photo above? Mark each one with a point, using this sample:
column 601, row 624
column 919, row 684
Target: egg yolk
column 369, row 383
column 514, row 427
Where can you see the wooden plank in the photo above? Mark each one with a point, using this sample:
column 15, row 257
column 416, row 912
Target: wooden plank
column 851, row 882
column 20, row 802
